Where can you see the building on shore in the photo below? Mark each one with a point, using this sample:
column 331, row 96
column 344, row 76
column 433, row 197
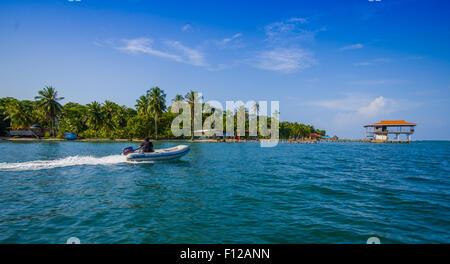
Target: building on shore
column 32, row 131
column 315, row 136
column 390, row 131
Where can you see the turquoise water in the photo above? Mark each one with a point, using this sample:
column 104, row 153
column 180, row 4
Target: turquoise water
column 226, row 193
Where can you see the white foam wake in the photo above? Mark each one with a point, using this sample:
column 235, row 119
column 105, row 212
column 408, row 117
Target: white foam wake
column 64, row 162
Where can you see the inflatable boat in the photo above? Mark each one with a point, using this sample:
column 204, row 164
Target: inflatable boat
column 158, row 154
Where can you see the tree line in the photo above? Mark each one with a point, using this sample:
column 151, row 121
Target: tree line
column 151, row 117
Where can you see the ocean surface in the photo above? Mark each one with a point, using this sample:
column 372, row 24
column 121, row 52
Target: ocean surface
column 226, row 193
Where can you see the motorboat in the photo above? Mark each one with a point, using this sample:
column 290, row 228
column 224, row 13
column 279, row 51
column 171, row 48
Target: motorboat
column 159, row 154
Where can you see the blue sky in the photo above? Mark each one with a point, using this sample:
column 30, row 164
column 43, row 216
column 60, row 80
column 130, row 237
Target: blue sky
column 335, row 64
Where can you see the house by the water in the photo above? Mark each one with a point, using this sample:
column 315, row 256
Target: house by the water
column 32, row 131
column 390, row 131
column 315, row 136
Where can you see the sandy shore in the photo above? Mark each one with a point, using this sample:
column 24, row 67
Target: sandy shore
column 26, row 139
column 99, row 140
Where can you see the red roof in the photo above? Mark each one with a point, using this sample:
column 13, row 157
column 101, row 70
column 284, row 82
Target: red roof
column 393, row 123
column 315, row 135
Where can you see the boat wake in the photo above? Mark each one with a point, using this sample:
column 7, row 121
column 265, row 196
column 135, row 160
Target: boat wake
column 64, row 162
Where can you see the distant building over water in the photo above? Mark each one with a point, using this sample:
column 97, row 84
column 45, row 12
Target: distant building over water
column 390, row 131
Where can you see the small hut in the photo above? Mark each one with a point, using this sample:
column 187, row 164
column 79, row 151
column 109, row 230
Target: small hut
column 32, row 131
column 315, row 136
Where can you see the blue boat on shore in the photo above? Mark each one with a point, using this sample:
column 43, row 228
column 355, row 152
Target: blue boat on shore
column 70, row 136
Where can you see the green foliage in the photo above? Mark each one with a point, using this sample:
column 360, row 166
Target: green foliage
column 73, row 118
column 177, row 98
column 110, row 120
column 95, row 117
column 19, row 114
column 142, row 105
column 47, row 103
column 297, row 131
column 138, row 126
column 156, row 105
column 4, row 119
column 192, row 98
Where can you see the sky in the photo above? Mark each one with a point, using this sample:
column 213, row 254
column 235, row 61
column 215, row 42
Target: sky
column 337, row 65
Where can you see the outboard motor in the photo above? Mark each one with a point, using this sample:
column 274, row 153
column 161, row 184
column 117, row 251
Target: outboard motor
column 127, row 150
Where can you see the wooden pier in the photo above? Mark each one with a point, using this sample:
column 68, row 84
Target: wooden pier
column 399, row 141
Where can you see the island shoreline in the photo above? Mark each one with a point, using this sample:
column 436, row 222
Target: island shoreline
column 103, row 140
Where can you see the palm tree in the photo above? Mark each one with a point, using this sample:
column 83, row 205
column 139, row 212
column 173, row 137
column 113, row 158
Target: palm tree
column 47, row 101
column 192, row 98
column 121, row 116
column 19, row 115
column 256, row 108
column 142, row 105
column 156, row 105
column 109, row 110
column 177, row 98
column 95, row 115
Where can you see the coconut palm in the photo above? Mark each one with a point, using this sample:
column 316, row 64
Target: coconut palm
column 142, row 105
column 156, row 105
column 19, row 115
column 47, row 101
column 95, row 115
column 121, row 116
column 256, row 108
column 4, row 121
column 177, row 98
column 192, row 98
column 110, row 110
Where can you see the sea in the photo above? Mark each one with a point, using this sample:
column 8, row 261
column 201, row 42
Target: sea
column 336, row 192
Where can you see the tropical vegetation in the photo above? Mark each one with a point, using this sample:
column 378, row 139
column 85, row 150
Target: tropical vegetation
column 47, row 103
column 150, row 117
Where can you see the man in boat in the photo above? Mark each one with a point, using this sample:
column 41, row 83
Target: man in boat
column 147, row 145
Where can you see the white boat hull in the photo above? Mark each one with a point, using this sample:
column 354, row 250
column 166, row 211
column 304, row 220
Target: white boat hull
column 159, row 154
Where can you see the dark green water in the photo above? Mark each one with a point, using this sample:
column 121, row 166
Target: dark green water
column 226, row 193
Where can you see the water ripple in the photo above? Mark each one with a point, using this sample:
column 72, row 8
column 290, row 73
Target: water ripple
column 226, row 193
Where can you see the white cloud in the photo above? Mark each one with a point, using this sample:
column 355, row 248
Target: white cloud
column 97, row 43
column 297, row 19
column 352, row 47
column 378, row 106
column 175, row 51
column 416, row 57
column 285, row 52
column 360, row 104
column 144, row 45
column 237, row 35
column 103, row 43
column 218, row 67
column 232, row 41
column 359, row 109
column 363, row 63
column 378, row 82
column 187, row 28
column 349, row 103
column 289, row 31
column 348, row 114
column 374, row 61
column 192, row 56
column 284, row 60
